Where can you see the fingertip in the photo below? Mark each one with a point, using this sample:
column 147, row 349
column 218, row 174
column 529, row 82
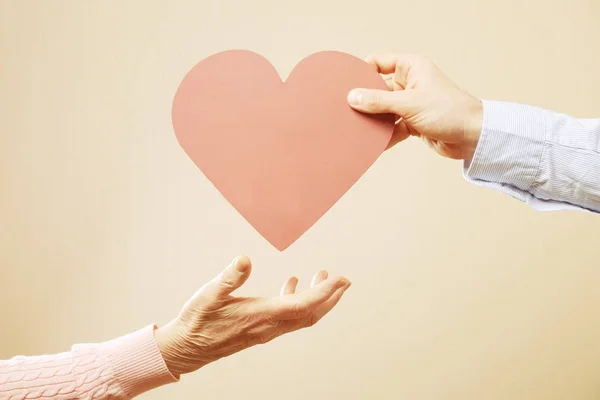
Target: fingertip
column 242, row 264
column 289, row 286
column 343, row 282
column 355, row 97
column 335, row 283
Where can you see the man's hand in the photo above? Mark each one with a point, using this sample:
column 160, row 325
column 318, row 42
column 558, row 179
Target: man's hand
column 213, row 324
column 429, row 105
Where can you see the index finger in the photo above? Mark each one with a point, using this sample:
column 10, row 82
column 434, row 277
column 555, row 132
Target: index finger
column 397, row 64
column 387, row 63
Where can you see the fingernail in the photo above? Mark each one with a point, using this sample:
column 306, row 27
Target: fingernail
column 354, row 97
column 242, row 266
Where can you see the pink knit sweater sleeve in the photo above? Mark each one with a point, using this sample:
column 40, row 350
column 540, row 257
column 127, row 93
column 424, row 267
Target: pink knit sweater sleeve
column 119, row 369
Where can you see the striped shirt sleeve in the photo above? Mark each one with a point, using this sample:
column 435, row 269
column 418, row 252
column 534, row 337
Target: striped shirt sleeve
column 549, row 160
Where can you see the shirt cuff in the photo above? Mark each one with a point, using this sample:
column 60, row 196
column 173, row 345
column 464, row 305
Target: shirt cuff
column 137, row 363
column 510, row 147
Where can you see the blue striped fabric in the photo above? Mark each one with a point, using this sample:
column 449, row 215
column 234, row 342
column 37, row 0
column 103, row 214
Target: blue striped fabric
column 549, row 160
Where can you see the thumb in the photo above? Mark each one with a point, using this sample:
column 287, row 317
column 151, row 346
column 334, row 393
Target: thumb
column 373, row 101
column 230, row 278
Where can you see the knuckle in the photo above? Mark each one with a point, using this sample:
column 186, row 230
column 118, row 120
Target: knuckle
column 420, row 58
column 420, row 61
column 373, row 101
column 227, row 282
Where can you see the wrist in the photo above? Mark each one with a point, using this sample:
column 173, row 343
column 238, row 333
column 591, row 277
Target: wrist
column 180, row 353
column 169, row 345
column 472, row 127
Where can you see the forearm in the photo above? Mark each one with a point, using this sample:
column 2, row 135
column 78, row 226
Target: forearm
column 119, row 369
column 547, row 159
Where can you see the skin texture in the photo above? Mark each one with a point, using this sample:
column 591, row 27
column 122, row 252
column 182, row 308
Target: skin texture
column 214, row 324
column 428, row 104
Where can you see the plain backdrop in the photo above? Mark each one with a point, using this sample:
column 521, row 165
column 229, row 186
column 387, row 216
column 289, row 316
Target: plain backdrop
column 458, row 292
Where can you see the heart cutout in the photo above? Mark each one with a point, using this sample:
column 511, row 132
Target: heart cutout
column 282, row 153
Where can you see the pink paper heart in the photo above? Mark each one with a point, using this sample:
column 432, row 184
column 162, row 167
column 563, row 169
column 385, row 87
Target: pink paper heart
column 282, row 153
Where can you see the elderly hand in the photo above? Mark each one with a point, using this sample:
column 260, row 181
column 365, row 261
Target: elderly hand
column 213, row 324
column 429, row 105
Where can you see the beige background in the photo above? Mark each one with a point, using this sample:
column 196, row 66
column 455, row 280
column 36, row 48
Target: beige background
column 459, row 292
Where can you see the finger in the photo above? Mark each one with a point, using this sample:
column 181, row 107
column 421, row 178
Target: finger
column 313, row 318
column 300, row 305
column 389, row 81
column 397, row 64
column 372, row 101
column 318, row 278
column 394, row 83
column 401, row 133
column 384, row 63
column 289, row 287
column 324, row 308
column 230, row 278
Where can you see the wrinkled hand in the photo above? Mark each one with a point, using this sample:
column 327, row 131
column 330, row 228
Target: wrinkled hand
column 429, row 105
column 213, row 324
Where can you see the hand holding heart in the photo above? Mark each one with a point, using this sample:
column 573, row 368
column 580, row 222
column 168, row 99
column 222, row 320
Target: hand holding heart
column 429, row 104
